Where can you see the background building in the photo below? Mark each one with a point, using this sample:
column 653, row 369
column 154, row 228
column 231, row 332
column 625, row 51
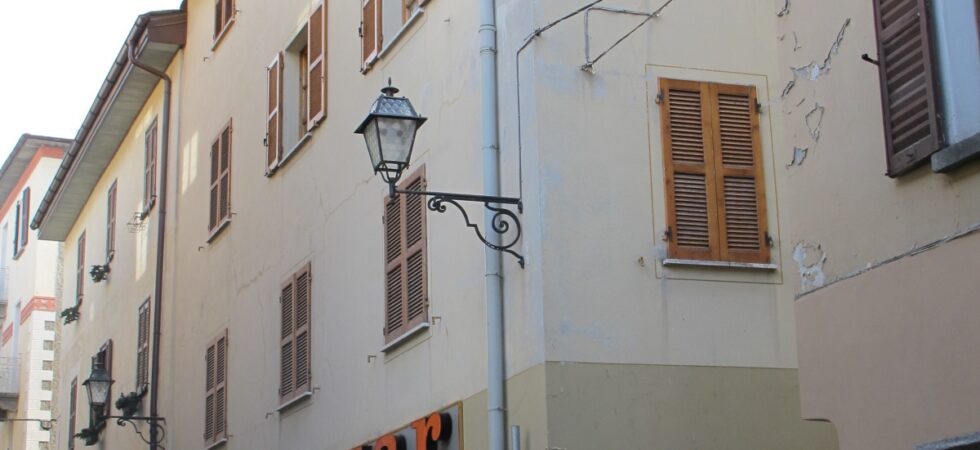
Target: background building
column 29, row 285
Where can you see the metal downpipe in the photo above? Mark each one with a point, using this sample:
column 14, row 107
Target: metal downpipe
column 497, row 430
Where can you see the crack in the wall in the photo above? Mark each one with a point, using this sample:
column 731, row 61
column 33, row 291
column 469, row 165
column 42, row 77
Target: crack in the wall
column 813, row 70
column 813, row 119
column 810, row 259
column 785, row 11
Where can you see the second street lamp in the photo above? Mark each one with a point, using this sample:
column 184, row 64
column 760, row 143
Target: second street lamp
column 389, row 134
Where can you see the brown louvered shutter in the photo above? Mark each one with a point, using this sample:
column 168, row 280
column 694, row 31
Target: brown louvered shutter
column 80, row 270
column 110, row 239
column 316, row 45
column 72, row 412
column 106, row 355
column 210, row 361
column 738, row 162
column 287, row 363
column 370, row 31
column 25, row 217
column 215, row 186
column 215, row 407
column 273, row 122
column 406, row 300
column 689, row 165
column 143, row 348
column 229, row 12
column 150, row 166
column 302, row 327
column 218, row 18
column 221, row 179
column 910, row 105
column 715, row 190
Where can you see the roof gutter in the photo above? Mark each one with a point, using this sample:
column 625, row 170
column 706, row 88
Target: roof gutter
column 161, row 237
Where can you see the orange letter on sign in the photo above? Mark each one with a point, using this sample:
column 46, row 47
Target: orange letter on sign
column 429, row 430
column 391, row 442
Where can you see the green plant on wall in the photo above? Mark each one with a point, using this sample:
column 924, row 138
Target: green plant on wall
column 70, row 314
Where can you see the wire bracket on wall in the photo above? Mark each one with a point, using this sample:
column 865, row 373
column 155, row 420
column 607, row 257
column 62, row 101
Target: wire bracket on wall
column 589, row 61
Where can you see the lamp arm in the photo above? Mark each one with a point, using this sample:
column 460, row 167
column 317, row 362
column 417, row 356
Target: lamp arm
column 501, row 221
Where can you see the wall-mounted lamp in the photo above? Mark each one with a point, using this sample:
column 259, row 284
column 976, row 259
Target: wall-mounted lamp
column 97, row 385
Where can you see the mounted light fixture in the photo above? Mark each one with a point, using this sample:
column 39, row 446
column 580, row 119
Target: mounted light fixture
column 389, row 133
column 97, row 385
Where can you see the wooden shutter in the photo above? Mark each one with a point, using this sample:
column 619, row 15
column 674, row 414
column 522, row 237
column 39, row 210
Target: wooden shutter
column 17, row 227
column 150, row 167
column 221, row 179
column 110, row 234
column 910, row 104
column 143, row 348
column 215, row 403
column 80, row 270
column 690, row 174
column 273, row 122
column 370, row 31
column 218, row 18
column 25, row 217
column 715, row 190
column 406, row 291
column 72, row 412
column 316, row 45
column 105, row 354
column 295, row 338
column 229, row 12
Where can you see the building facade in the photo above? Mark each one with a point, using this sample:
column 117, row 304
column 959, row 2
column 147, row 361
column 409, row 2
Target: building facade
column 29, row 286
column 883, row 213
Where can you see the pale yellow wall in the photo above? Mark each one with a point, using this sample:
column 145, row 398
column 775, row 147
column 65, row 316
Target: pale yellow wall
column 110, row 308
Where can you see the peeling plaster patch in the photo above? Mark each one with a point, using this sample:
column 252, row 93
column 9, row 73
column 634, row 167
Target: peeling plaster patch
column 796, row 42
column 799, row 154
column 813, row 120
column 788, row 88
column 810, row 259
column 785, row 11
column 813, row 70
column 800, row 103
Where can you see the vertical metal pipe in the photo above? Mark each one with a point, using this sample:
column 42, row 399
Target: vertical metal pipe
column 491, row 186
column 515, row 438
column 161, row 234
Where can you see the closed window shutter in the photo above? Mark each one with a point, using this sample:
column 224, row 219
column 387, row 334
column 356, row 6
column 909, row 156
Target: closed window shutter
column 689, row 165
column 908, row 89
column 72, row 409
column 273, row 123
column 215, row 406
column 738, row 162
column 302, row 332
column 317, row 92
column 218, row 18
column 110, row 240
column 143, row 348
column 287, row 363
column 80, row 270
column 220, row 205
column 715, row 190
column 229, row 11
column 150, row 166
column 215, row 185
column 210, row 363
column 106, row 356
column 26, row 219
column 370, row 31
column 406, row 301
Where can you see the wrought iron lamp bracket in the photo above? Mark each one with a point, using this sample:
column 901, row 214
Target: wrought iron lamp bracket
column 501, row 221
column 152, row 421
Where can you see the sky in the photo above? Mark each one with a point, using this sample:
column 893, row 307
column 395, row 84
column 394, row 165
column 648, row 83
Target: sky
column 55, row 55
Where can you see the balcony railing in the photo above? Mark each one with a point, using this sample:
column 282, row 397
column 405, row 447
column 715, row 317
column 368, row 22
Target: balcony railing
column 9, row 376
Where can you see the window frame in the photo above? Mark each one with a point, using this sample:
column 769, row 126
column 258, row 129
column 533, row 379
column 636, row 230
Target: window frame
column 151, row 148
column 382, row 45
column 226, row 18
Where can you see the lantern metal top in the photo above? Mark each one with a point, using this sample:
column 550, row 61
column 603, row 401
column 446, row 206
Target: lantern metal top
column 387, row 105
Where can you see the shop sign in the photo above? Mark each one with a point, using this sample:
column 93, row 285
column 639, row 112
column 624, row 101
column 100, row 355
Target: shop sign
column 437, row 431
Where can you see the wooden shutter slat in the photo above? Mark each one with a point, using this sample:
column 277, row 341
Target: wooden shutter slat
column 316, row 45
column 908, row 90
column 273, row 122
column 286, row 339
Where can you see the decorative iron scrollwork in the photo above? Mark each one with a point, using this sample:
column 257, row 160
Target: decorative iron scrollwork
column 500, row 223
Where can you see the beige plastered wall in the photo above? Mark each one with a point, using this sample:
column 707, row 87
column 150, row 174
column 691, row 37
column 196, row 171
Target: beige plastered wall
column 110, row 309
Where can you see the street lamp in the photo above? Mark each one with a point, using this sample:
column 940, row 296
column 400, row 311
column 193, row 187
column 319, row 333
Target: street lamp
column 389, row 133
column 97, row 385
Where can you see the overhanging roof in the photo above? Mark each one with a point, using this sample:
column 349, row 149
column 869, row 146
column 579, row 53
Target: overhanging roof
column 18, row 160
column 158, row 36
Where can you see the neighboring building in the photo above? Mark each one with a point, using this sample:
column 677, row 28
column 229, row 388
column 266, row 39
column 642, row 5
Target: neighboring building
column 302, row 308
column 883, row 214
column 29, row 284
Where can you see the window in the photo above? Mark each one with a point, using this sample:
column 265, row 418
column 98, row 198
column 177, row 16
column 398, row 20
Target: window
column 220, row 181
column 80, row 270
column 49, row 325
column 104, row 357
column 21, row 222
column 45, row 405
column 382, row 22
column 294, row 343
column 45, row 385
column 296, row 90
column 716, row 207
column 406, row 291
column 48, row 345
column 46, row 365
column 110, row 223
column 72, row 409
column 143, row 348
column 928, row 97
column 215, row 406
column 150, row 168
column 224, row 15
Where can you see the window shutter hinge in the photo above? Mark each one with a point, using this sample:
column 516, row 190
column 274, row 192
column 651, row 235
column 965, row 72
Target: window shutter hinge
column 758, row 107
column 769, row 241
column 660, row 97
column 360, row 30
column 668, row 235
column 265, row 140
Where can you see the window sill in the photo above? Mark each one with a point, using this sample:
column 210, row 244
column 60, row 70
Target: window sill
column 292, row 152
column 390, row 45
column 956, row 155
column 721, row 264
column 216, row 444
column 221, row 35
column 405, row 337
column 218, row 229
column 295, row 400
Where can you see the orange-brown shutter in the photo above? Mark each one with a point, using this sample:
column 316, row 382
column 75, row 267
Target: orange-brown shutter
column 406, row 300
column 370, row 31
column 106, row 355
column 110, row 239
column 210, row 363
column 908, row 89
column 150, row 167
column 690, row 174
column 302, row 331
column 229, row 12
column 143, row 348
column 225, row 198
column 215, row 407
column 80, row 270
column 287, row 362
column 215, row 185
column 738, row 168
column 72, row 412
column 317, row 92
column 25, row 217
column 218, row 18
column 273, row 122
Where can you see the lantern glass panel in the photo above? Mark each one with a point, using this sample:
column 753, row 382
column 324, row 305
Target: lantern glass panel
column 371, row 139
column 397, row 137
column 98, row 391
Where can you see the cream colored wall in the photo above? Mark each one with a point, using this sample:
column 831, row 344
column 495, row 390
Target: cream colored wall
column 110, row 308
column 34, row 272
